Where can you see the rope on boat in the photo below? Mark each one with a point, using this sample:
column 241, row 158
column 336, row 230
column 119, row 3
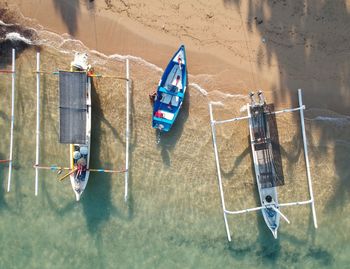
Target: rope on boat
column 60, row 168
column 56, row 73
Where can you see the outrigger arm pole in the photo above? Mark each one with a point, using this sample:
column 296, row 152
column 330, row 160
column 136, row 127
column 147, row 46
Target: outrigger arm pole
column 279, row 212
column 127, row 131
column 307, row 158
column 12, row 118
column 212, row 124
column 37, row 150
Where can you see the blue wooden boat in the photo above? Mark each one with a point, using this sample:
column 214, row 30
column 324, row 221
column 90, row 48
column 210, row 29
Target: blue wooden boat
column 171, row 92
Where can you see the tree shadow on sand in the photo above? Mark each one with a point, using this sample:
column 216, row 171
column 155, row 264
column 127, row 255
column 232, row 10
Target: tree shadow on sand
column 309, row 40
column 69, row 11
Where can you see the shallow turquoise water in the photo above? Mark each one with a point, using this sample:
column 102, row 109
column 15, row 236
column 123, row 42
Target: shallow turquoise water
column 173, row 218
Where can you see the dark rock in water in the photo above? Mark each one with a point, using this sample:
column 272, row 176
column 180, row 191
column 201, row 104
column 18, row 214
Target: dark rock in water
column 258, row 21
column 13, row 35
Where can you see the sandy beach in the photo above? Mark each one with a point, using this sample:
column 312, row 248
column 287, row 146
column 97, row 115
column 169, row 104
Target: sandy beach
column 275, row 46
column 173, row 218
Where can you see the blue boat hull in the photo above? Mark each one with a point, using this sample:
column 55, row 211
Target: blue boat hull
column 170, row 92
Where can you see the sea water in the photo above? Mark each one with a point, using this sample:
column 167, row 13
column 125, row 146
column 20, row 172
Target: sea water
column 173, row 218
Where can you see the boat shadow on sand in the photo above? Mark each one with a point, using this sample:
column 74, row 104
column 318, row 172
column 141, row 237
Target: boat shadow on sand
column 169, row 140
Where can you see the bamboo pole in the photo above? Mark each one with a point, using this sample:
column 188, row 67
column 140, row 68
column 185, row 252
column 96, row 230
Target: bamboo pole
column 219, row 171
column 247, row 117
column 37, row 151
column 245, row 210
column 230, row 120
column 58, row 168
column 295, row 203
column 307, row 158
column 127, row 131
column 12, row 118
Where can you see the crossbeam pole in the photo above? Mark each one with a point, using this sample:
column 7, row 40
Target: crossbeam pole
column 127, row 131
column 37, row 149
column 58, row 168
column 219, row 171
column 307, row 158
column 12, row 117
column 295, row 203
column 247, row 117
column 231, row 120
column 244, row 210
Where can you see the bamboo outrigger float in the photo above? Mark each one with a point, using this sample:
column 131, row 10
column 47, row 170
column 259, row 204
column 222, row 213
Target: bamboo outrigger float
column 75, row 124
column 265, row 170
column 13, row 76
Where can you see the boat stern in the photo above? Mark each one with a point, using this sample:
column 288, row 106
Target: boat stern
column 77, row 196
column 274, row 233
column 161, row 125
column 272, row 220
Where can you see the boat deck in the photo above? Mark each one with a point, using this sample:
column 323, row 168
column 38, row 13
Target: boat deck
column 266, row 147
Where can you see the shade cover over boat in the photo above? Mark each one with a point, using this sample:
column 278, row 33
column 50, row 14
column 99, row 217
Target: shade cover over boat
column 72, row 88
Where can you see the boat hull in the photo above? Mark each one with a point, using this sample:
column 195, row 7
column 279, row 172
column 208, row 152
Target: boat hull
column 170, row 92
column 80, row 153
column 268, row 195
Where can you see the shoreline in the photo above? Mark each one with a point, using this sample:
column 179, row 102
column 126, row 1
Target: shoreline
column 236, row 53
column 127, row 37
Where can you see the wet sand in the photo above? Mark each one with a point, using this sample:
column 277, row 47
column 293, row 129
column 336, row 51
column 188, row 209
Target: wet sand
column 243, row 45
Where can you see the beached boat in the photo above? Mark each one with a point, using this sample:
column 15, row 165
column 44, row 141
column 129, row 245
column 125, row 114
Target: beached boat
column 170, row 92
column 265, row 172
column 267, row 161
column 75, row 120
column 75, row 124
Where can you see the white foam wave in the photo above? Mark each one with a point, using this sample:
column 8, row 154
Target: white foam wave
column 64, row 43
column 199, row 88
column 225, row 95
column 217, row 103
column 243, row 108
column 17, row 37
column 136, row 59
column 5, row 24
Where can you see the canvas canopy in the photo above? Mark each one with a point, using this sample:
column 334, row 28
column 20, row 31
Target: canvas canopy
column 72, row 90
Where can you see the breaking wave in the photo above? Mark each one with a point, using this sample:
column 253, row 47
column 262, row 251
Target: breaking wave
column 13, row 36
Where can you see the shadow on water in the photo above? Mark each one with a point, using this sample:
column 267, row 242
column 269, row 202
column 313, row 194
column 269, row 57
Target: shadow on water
column 98, row 117
column 236, row 163
column 268, row 250
column 96, row 201
column 301, row 36
column 3, row 203
column 132, row 146
column 169, row 140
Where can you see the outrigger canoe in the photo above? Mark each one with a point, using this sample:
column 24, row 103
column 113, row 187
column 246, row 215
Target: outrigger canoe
column 170, row 92
column 265, row 172
column 75, row 120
